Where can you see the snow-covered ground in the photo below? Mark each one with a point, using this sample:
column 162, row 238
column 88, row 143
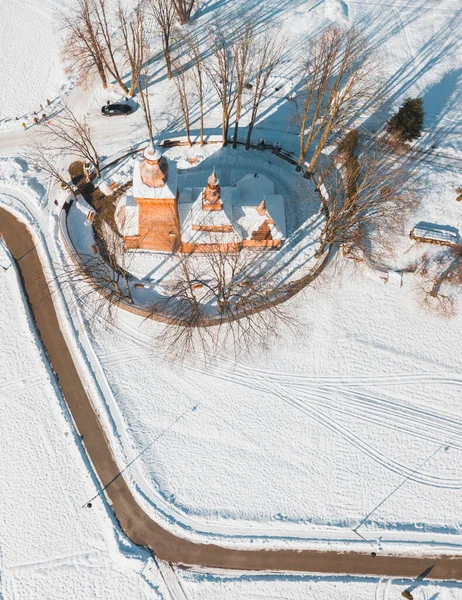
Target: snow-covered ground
column 50, row 546
column 30, row 65
column 202, row 586
column 351, row 419
column 305, row 440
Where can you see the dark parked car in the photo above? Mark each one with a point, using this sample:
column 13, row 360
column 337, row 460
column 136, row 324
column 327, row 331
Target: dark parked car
column 112, row 110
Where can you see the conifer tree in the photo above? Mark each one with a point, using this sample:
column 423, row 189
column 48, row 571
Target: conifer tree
column 407, row 123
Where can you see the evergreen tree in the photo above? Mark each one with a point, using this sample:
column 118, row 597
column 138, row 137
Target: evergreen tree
column 407, row 123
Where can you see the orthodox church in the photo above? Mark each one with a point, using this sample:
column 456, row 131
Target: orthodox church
column 157, row 216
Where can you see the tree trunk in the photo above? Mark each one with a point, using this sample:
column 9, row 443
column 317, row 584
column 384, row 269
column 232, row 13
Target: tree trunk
column 225, row 131
column 236, row 127
column 249, row 135
column 201, row 109
column 102, row 74
column 129, row 293
column 322, row 248
column 168, row 60
column 131, row 91
column 201, row 123
column 188, row 135
column 123, row 86
column 315, row 157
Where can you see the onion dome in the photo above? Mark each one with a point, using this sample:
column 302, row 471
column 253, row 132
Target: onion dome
column 154, row 167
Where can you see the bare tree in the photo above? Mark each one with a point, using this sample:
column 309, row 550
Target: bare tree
column 268, row 54
column 442, row 272
column 184, row 9
column 198, row 78
column 83, row 49
column 133, row 34
column 47, row 163
column 222, row 73
column 242, row 55
column 69, row 135
column 164, row 14
column 218, row 296
column 106, row 284
column 364, row 205
column 337, row 84
column 145, row 104
column 110, row 49
column 181, row 81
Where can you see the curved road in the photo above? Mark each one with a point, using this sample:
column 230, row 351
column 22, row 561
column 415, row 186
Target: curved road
column 140, row 528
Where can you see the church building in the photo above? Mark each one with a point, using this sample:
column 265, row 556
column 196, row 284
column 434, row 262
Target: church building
column 157, row 216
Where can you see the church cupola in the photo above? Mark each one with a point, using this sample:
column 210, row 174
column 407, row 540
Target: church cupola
column 211, row 199
column 261, row 208
column 154, row 167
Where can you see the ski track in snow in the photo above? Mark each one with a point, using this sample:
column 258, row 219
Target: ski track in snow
column 317, row 393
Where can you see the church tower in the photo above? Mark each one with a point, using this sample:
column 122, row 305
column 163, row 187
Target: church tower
column 211, row 196
column 155, row 191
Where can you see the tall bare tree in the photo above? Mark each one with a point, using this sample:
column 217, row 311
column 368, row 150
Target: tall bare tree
column 164, row 14
column 221, row 69
column 197, row 72
column 268, row 53
column 45, row 161
column 133, row 34
column 229, row 279
column 442, row 272
column 242, row 59
column 102, row 282
column 364, row 205
column 337, row 84
column 184, row 9
column 145, row 104
column 83, row 43
column 111, row 51
column 69, row 135
column 181, row 80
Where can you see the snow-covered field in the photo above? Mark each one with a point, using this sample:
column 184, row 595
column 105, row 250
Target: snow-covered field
column 30, row 65
column 202, row 586
column 50, row 546
column 306, row 440
column 351, row 419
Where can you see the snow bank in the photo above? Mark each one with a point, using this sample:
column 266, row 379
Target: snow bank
column 220, row 586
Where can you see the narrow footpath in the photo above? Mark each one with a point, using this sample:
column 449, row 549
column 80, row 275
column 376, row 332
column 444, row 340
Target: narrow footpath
column 136, row 524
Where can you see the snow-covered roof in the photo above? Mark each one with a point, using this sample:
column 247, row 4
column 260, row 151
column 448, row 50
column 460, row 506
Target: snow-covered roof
column 276, row 211
column 213, row 218
column 254, row 188
column 249, row 220
column 437, row 233
column 127, row 215
column 141, row 190
column 239, row 211
column 197, row 236
column 193, row 216
column 152, row 152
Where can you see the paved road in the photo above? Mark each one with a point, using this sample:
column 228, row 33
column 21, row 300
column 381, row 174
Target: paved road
column 140, row 528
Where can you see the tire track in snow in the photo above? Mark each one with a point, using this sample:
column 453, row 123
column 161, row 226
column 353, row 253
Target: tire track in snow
column 311, row 408
column 327, row 421
column 267, row 381
column 372, row 409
